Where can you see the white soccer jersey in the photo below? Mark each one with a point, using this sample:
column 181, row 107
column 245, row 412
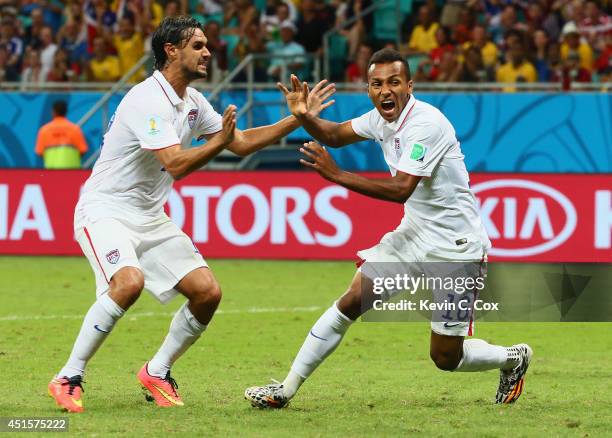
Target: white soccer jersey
column 442, row 208
column 127, row 181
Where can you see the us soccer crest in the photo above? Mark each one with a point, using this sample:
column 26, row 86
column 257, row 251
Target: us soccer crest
column 113, row 256
column 192, row 117
column 397, row 147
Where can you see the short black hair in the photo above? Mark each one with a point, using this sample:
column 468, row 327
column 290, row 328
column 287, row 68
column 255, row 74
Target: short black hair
column 387, row 56
column 173, row 30
column 60, row 108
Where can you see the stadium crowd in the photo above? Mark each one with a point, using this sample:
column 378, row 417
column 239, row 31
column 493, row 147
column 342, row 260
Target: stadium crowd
column 444, row 41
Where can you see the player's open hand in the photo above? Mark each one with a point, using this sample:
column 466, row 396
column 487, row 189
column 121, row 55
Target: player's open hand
column 317, row 98
column 322, row 161
column 297, row 97
column 228, row 125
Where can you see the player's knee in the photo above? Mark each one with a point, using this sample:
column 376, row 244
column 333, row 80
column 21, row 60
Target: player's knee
column 445, row 360
column 350, row 303
column 207, row 293
column 126, row 286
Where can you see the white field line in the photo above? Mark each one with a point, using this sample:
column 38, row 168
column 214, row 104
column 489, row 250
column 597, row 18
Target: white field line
column 134, row 316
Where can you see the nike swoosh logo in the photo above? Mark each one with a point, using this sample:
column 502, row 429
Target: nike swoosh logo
column 318, row 337
column 97, row 327
column 447, row 325
column 79, row 403
column 166, row 395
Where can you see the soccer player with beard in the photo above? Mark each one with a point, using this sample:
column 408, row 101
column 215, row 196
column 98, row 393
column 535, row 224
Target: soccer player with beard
column 441, row 222
column 120, row 223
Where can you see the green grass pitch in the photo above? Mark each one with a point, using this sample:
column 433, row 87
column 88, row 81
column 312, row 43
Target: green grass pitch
column 380, row 381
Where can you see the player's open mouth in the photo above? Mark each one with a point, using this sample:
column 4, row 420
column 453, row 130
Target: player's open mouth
column 387, row 105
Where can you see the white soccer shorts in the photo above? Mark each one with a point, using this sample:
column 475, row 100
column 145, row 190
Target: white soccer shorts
column 162, row 251
column 406, row 250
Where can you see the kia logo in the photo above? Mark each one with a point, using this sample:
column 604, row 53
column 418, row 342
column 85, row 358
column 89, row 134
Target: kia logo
column 536, row 214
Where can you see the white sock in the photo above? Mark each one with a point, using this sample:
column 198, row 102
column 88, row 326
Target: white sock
column 479, row 355
column 322, row 340
column 98, row 323
column 185, row 329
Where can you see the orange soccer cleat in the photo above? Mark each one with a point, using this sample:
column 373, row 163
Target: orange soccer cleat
column 67, row 392
column 162, row 391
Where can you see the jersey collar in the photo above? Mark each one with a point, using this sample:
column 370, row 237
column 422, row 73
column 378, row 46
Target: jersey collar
column 401, row 120
column 167, row 88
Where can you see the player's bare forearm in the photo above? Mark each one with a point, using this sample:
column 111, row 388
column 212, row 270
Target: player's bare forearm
column 394, row 189
column 322, row 130
column 251, row 140
column 186, row 161
column 180, row 162
column 331, row 133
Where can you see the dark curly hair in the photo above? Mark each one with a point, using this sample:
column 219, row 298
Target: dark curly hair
column 174, row 30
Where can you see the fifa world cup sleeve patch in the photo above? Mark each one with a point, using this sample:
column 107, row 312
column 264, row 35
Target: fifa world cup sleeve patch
column 153, row 125
column 418, row 152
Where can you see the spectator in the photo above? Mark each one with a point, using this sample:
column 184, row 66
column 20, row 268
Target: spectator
column 32, row 72
column 472, row 69
column 315, row 19
column 357, row 71
column 238, row 14
column 429, row 68
column 10, row 40
column 505, row 22
column 572, row 44
column 286, row 47
column 603, row 64
column 573, row 71
column 540, row 58
column 172, row 9
column 550, row 23
column 8, row 72
column 60, row 142
column 448, row 67
column 60, row 70
column 72, row 39
column 480, row 40
column 354, row 33
column 253, row 41
column 595, row 25
column 32, row 32
column 103, row 67
column 535, row 17
column 423, row 37
column 51, row 11
column 273, row 17
column 212, row 7
column 518, row 68
column 218, row 49
column 47, row 50
column 100, row 19
column 554, row 61
column 463, row 30
column 130, row 47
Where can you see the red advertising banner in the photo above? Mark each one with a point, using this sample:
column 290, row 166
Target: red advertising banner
column 298, row 215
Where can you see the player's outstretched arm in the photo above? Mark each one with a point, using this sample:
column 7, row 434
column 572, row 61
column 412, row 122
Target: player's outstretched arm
column 394, row 189
column 180, row 162
column 306, row 105
column 251, row 140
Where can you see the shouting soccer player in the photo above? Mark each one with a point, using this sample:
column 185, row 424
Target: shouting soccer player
column 440, row 223
column 119, row 220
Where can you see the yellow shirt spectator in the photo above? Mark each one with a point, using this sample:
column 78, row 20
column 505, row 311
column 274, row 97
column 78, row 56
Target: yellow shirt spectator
column 508, row 73
column 423, row 40
column 488, row 53
column 584, row 52
column 130, row 50
column 106, row 70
